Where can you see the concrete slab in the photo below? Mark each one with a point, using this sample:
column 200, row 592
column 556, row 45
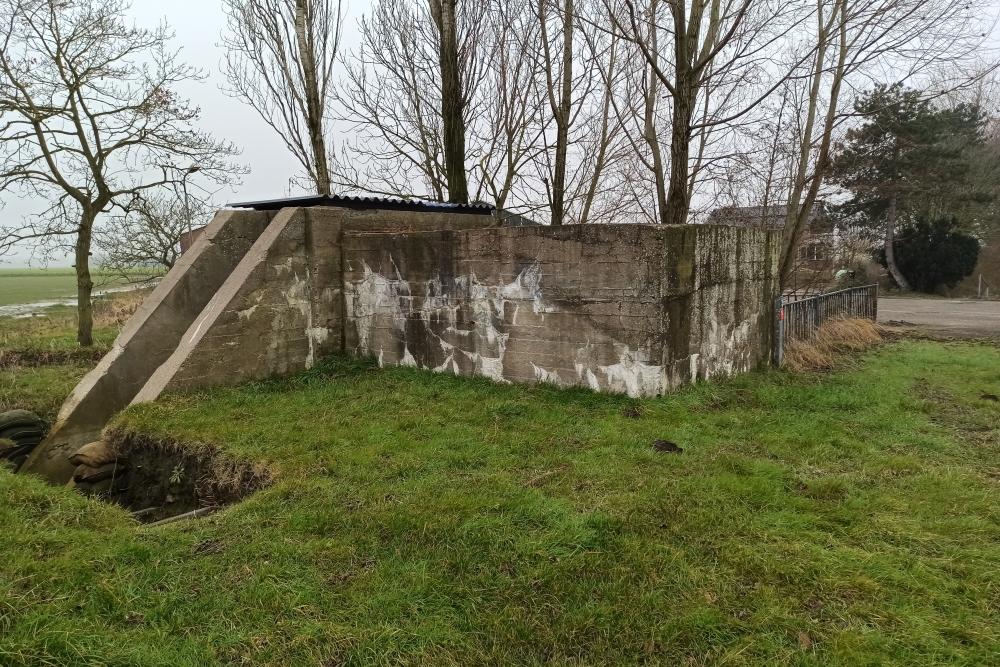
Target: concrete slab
column 960, row 318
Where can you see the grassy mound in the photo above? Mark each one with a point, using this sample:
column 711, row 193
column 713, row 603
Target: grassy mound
column 849, row 518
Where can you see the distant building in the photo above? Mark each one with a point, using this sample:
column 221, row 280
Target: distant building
column 511, row 219
column 769, row 217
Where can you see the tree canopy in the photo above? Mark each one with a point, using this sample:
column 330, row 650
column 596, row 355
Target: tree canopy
column 907, row 148
column 907, row 159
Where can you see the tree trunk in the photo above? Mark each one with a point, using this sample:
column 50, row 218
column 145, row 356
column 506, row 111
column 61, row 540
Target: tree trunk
column 452, row 106
column 562, row 118
column 84, row 284
column 890, row 254
column 649, row 128
column 314, row 105
column 602, row 149
column 678, row 204
column 654, row 147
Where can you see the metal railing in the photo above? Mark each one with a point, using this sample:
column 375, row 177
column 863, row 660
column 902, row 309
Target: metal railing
column 802, row 318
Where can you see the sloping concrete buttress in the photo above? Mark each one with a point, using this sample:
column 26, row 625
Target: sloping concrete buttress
column 146, row 340
column 637, row 309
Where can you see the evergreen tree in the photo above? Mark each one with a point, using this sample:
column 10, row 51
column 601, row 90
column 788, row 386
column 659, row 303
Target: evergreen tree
column 934, row 252
column 906, row 155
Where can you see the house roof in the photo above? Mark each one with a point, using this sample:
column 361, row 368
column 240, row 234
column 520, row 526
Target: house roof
column 769, row 217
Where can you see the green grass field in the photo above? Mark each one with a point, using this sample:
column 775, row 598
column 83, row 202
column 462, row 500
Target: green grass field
column 33, row 285
column 849, row 518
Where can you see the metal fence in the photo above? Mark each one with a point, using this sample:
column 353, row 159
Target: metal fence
column 801, row 319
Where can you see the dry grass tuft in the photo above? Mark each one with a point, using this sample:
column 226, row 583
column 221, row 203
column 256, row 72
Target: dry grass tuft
column 115, row 309
column 833, row 339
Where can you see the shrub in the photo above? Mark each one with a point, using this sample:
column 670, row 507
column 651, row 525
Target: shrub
column 932, row 253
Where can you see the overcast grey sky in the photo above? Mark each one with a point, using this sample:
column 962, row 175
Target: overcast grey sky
column 198, row 25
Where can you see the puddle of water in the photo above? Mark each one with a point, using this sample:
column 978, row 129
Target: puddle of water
column 18, row 310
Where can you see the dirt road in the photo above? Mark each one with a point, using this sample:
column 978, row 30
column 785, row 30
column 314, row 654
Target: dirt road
column 961, row 318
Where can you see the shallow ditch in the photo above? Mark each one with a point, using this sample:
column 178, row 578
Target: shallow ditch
column 158, row 478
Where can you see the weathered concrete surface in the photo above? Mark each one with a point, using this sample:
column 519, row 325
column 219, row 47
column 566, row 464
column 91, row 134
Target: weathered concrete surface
column 282, row 307
column 146, row 340
column 639, row 309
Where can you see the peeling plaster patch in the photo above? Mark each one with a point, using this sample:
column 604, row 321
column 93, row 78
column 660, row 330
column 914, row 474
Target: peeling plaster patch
column 726, row 347
column 376, row 295
column 551, row 377
column 297, row 296
column 437, row 303
column 592, row 380
column 245, row 314
column 318, row 335
column 284, row 266
column 526, row 287
column 492, row 367
column 443, row 368
column 632, row 375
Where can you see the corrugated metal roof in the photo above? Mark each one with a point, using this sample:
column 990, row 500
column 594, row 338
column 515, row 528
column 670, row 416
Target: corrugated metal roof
column 365, row 203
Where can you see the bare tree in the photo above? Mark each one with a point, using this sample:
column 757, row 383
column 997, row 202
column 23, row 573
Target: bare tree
column 857, row 40
column 143, row 239
column 604, row 127
column 89, row 118
column 280, row 57
column 507, row 125
column 391, row 97
column 725, row 43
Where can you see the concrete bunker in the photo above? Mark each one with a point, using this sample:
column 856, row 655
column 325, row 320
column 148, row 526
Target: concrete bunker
column 271, row 287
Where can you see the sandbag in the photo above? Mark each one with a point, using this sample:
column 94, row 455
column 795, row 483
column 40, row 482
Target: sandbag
column 7, row 446
column 22, row 449
column 18, row 418
column 13, row 454
column 18, row 433
column 93, row 454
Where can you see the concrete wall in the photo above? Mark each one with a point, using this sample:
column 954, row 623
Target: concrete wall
column 639, row 309
column 282, row 307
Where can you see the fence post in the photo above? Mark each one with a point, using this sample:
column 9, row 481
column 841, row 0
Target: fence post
column 779, row 330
